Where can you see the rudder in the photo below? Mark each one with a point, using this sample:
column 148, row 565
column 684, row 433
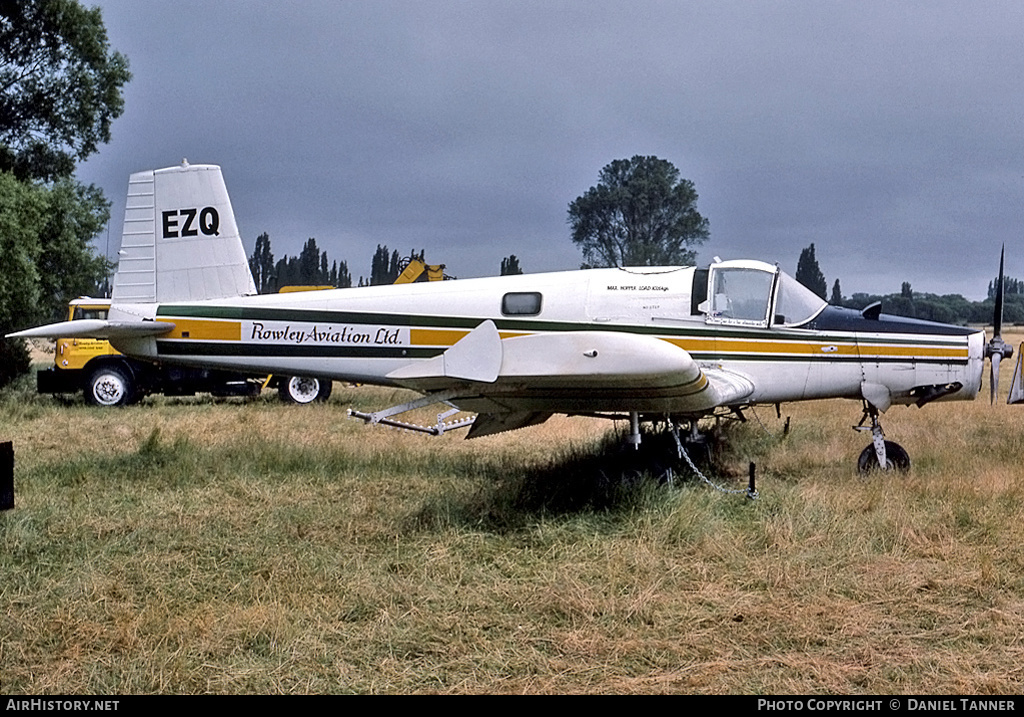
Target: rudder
column 180, row 239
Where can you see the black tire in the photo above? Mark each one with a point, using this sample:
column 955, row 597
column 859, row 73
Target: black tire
column 110, row 386
column 304, row 389
column 896, row 459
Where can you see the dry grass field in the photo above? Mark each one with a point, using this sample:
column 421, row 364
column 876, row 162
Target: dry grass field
column 194, row 545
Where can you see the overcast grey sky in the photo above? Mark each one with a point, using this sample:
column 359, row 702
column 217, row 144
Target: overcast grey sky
column 890, row 134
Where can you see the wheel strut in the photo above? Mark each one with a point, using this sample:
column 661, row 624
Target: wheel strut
column 877, row 436
column 886, row 454
column 634, row 430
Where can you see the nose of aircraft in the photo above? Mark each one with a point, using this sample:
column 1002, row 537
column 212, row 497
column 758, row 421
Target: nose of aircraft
column 976, row 345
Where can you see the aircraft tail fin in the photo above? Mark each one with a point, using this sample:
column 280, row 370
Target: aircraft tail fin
column 180, row 240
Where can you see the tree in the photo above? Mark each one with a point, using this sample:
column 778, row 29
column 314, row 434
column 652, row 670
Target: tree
column 309, row 264
column 60, row 86
column 286, row 272
column 385, row 268
column 809, row 273
column 395, row 268
column 639, row 214
column 510, row 265
column 379, row 266
column 342, row 278
column 45, row 255
column 309, row 268
column 67, row 265
column 60, row 90
column 261, row 264
column 22, row 212
column 1011, row 287
column 837, row 295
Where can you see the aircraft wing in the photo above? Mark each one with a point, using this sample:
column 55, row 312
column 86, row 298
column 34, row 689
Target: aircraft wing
column 95, row 329
column 521, row 380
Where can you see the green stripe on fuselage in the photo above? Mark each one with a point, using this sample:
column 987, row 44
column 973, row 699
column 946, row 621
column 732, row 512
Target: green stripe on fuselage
column 179, row 347
column 254, row 313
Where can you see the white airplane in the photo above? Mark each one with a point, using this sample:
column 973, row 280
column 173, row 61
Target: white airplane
column 647, row 343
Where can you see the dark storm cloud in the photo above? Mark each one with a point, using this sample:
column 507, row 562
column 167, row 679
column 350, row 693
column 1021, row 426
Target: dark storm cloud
column 889, row 134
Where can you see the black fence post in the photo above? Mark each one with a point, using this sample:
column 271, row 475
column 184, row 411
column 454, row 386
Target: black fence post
column 6, row 475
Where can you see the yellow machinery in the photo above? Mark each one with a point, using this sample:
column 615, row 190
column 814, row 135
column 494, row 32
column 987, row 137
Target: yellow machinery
column 415, row 270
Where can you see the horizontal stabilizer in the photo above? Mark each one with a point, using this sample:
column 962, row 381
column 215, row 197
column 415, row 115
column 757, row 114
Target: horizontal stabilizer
column 95, row 329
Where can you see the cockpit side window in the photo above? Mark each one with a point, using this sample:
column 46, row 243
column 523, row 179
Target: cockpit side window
column 740, row 296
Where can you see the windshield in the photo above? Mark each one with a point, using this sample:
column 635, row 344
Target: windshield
column 796, row 304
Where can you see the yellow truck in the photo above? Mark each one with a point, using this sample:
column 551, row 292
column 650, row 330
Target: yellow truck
column 108, row 378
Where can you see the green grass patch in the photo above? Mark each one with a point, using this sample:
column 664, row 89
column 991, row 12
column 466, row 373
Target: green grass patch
column 190, row 546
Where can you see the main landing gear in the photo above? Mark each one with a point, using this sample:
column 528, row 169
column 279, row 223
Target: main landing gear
column 684, row 442
column 881, row 455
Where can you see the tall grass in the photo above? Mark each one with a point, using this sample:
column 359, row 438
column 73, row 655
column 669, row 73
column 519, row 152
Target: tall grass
column 186, row 546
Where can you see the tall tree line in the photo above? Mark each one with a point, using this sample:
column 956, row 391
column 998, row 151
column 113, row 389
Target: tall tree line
column 310, row 268
column 945, row 308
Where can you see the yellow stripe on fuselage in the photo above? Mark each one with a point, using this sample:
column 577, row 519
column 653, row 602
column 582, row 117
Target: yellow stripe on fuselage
column 205, row 330
column 809, row 348
column 449, row 337
column 760, row 347
column 435, row 337
column 869, row 350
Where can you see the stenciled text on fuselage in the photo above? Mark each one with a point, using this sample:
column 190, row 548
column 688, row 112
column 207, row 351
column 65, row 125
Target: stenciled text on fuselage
column 329, row 334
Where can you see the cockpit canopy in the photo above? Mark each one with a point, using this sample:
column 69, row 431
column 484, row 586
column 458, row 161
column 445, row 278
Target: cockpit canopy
column 752, row 293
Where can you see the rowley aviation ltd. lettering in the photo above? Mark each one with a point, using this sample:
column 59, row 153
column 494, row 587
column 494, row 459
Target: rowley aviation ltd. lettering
column 380, row 336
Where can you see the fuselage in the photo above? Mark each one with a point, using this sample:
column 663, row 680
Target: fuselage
column 744, row 319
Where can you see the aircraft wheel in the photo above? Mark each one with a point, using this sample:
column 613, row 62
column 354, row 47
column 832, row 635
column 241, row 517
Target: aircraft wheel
column 304, row 389
column 896, row 459
column 110, row 386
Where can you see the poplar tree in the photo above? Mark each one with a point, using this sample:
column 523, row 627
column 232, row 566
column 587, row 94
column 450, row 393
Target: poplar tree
column 809, row 273
column 510, row 265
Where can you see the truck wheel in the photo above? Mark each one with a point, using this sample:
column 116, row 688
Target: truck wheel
column 109, row 386
column 304, row 389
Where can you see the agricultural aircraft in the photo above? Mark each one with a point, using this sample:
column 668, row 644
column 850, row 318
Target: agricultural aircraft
column 647, row 344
